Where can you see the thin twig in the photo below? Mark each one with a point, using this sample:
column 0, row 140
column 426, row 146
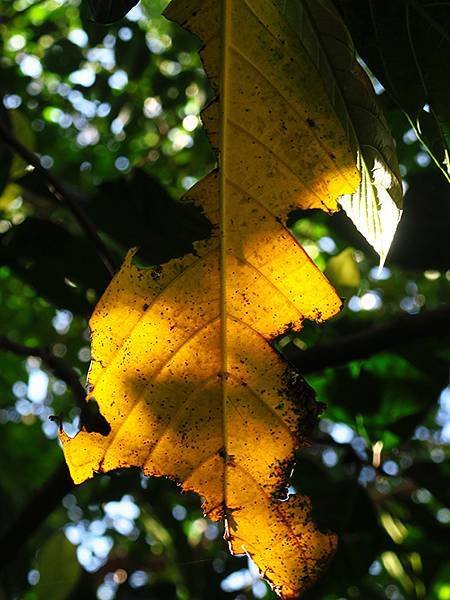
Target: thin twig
column 57, row 366
column 91, row 418
column 401, row 330
column 61, row 194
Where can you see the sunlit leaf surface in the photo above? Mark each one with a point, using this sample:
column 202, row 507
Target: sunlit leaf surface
column 183, row 369
column 376, row 206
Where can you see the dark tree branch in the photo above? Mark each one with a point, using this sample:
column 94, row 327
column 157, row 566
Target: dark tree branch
column 44, row 501
column 57, row 366
column 90, row 417
column 61, row 194
column 401, row 330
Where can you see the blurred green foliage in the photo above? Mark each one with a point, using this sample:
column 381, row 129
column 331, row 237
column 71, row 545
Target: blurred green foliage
column 113, row 111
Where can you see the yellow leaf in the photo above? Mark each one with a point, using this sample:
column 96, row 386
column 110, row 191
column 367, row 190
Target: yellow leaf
column 183, row 369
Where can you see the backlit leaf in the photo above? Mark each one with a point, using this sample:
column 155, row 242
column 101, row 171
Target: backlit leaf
column 183, row 368
column 406, row 44
column 375, row 208
column 59, row 569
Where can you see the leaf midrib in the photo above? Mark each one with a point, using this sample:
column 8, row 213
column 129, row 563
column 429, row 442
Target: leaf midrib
column 223, row 100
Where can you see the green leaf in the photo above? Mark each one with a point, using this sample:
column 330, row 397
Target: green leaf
column 376, row 207
column 406, row 44
column 396, row 395
column 58, row 568
column 57, row 264
column 138, row 211
column 343, row 272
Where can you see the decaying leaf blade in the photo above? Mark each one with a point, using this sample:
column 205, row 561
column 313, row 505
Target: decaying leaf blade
column 183, row 369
